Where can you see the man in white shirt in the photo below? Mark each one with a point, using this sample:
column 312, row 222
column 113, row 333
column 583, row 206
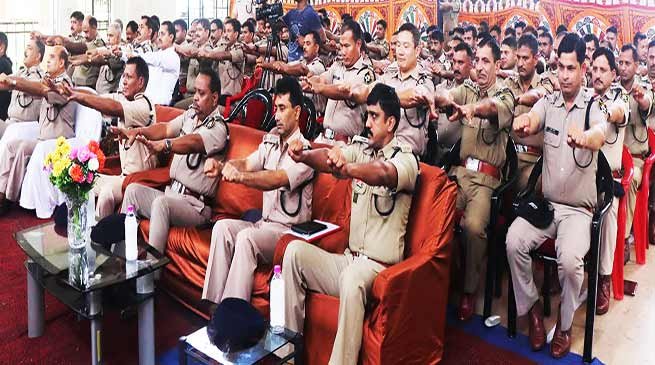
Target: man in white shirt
column 164, row 66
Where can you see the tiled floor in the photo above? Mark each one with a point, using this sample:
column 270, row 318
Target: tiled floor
column 626, row 334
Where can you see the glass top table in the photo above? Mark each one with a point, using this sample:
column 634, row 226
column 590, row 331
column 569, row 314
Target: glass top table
column 199, row 349
column 47, row 267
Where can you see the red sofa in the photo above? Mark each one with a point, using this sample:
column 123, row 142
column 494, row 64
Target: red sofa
column 405, row 321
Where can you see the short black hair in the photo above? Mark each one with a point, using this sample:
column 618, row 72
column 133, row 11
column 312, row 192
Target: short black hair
column 631, row 48
column 495, row 28
column 510, row 42
column 437, row 35
column 182, row 24
column 484, row 26
column 463, row 46
column 530, row 29
column 315, row 36
column 204, row 23
column 651, row 44
column 409, row 27
column 611, row 60
column 249, row 25
column 471, row 29
column 156, row 24
column 93, row 22
column 368, row 38
column 133, row 26
column 543, row 29
column 510, row 32
column 571, row 43
column 612, row 29
column 458, row 30
column 561, row 29
column 548, row 36
column 236, row 26
column 78, row 16
column 219, row 24
column 41, row 47
column 491, row 43
column 4, row 40
column 383, row 23
column 591, row 38
column 386, row 97
column 638, row 37
column 141, row 68
column 170, row 28
column 530, row 41
column 290, row 85
column 519, row 24
column 354, row 28
column 214, row 79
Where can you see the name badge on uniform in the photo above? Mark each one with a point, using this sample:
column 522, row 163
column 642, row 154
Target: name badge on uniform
column 552, row 130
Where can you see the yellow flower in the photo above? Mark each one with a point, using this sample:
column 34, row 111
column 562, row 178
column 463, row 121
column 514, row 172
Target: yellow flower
column 60, row 165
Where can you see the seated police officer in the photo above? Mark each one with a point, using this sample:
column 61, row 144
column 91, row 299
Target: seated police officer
column 384, row 173
column 191, row 138
column 237, row 245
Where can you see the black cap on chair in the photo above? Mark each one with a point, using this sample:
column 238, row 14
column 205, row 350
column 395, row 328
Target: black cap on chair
column 236, row 325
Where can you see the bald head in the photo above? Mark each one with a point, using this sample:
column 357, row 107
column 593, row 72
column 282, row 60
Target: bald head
column 57, row 61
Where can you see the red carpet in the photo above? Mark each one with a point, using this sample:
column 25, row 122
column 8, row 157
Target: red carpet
column 67, row 340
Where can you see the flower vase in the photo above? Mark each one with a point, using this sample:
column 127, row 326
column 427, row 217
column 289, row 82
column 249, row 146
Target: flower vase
column 78, row 234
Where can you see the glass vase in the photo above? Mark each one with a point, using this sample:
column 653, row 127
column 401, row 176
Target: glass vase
column 78, row 234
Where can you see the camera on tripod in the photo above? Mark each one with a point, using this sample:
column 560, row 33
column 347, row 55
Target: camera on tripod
column 269, row 11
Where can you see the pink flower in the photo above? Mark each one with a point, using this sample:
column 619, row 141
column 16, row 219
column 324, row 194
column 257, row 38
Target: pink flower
column 89, row 177
column 73, row 153
column 83, row 154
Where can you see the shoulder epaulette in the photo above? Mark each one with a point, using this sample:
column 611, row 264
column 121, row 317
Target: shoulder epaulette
column 472, row 85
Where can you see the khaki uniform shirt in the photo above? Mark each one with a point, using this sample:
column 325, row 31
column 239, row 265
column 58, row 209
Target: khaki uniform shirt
column 184, row 65
column 194, row 70
column 316, row 68
column 515, row 85
column 636, row 136
column 214, row 136
column 483, row 139
column 613, row 147
column 87, row 75
column 25, row 107
column 448, row 133
column 231, row 71
column 291, row 205
column 138, row 113
column 110, row 75
column 413, row 124
column 385, row 49
column 345, row 117
column 57, row 115
column 445, row 63
column 563, row 181
column 381, row 237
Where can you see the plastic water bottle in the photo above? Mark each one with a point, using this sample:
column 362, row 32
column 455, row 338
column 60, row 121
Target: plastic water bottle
column 277, row 300
column 131, row 227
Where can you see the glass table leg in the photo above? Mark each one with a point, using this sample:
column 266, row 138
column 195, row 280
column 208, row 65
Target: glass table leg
column 146, row 321
column 94, row 302
column 35, row 300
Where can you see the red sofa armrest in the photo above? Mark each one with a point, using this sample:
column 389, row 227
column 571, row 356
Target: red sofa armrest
column 408, row 301
column 156, row 178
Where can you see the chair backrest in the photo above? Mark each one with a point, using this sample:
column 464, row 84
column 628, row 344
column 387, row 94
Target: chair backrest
column 604, row 185
column 88, row 122
column 254, row 110
column 308, row 124
column 628, row 168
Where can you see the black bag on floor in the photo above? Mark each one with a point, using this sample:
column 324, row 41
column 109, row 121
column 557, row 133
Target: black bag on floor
column 236, row 325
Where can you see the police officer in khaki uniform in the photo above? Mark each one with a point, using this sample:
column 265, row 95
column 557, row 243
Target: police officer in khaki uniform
column 343, row 118
column 192, row 137
column 86, row 74
column 437, row 63
column 486, row 112
column 237, row 245
column 230, row 58
column 640, row 102
column 201, row 42
column 56, row 118
column 612, row 101
column 384, row 173
column 133, row 110
column 112, row 67
column 310, row 65
column 25, row 107
column 527, row 87
column 378, row 49
column 571, row 189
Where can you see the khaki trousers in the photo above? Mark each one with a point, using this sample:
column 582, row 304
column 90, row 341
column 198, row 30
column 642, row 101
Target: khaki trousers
column 163, row 211
column 632, row 194
column 236, row 247
column 608, row 231
column 572, row 233
column 14, row 157
column 108, row 190
column 526, row 162
column 475, row 200
column 307, row 267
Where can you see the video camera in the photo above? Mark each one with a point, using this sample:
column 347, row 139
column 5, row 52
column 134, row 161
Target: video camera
column 270, row 12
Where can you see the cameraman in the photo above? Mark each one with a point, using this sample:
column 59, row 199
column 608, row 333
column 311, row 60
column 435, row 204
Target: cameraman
column 302, row 20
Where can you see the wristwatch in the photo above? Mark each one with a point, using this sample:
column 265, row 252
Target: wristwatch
column 168, row 146
column 13, row 82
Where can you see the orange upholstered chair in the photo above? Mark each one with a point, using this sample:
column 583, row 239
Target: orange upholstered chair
column 640, row 221
column 617, row 268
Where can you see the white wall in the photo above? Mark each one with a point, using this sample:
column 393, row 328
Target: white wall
column 127, row 10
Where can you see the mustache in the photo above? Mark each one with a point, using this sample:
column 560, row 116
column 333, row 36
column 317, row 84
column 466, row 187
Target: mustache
column 367, row 132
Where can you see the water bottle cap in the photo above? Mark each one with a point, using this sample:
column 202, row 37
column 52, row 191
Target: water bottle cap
column 277, row 269
column 130, row 208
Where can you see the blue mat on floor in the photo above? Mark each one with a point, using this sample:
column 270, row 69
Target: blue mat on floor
column 497, row 336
